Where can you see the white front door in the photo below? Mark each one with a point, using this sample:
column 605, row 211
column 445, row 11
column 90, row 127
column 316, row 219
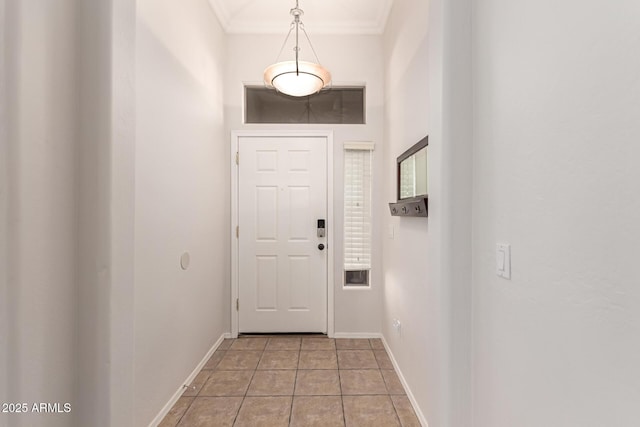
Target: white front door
column 282, row 270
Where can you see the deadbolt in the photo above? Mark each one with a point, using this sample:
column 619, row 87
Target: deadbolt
column 321, row 246
column 321, row 228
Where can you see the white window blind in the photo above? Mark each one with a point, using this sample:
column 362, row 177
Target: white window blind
column 357, row 207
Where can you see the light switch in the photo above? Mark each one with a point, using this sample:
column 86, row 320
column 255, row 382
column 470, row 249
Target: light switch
column 500, row 260
column 503, row 260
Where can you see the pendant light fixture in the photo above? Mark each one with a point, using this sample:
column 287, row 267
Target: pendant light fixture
column 297, row 78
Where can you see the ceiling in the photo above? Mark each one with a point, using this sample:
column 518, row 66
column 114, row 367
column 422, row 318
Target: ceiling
column 320, row 16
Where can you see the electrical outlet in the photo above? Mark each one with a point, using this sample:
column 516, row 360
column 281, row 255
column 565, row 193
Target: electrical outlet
column 397, row 325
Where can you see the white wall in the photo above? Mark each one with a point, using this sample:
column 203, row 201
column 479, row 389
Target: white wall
column 451, row 122
column 557, row 108
column 80, row 186
column 121, row 208
column 410, row 285
column 105, row 120
column 94, row 66
column 557, row 341
column 68, row 317
column 351, row 59
column 181, row 193
column 41, row 104
column 4, row 304
column 427, row 261
column 407, row 275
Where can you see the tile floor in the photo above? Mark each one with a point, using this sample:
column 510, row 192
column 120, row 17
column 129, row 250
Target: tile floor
column 301, row 381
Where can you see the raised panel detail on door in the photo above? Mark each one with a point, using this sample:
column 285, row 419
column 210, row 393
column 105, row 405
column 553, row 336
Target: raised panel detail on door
column 299, row 204
column 267, row 161
column 299, row 270
column 282, row 274
column 299, row 160
column 266, row 282
column 267, row 205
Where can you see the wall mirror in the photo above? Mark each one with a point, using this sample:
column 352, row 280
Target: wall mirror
column 412, row 172
column 412, row 181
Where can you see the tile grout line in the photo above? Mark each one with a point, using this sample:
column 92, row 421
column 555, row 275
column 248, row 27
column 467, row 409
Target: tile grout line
column 384, row 380
column 344, row 414
column 293, row 393
column 197, row 394
column 184, row 413
column 395, row 411
column 295, row 382
column 263, row 351
column 235, row 419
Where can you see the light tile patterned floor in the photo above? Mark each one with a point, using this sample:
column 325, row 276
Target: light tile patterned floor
column 300, row 381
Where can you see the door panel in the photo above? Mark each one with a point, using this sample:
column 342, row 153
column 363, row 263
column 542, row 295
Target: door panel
column 282, row 192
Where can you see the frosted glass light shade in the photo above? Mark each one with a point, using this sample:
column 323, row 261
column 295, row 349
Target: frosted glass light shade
column 309, row 78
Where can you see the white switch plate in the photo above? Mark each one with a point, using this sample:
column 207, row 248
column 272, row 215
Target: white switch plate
column 503, row 260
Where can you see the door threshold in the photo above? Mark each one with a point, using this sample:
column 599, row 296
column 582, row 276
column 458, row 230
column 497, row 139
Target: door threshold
column 280, row 334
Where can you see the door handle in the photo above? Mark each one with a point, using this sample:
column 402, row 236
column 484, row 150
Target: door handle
column 321, row 246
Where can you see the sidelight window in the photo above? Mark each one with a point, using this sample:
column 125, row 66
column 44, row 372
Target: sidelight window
column 357, row 214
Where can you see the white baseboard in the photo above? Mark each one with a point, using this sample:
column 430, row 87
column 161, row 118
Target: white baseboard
column 357, row 335
column 165, row 410
column 412, row 399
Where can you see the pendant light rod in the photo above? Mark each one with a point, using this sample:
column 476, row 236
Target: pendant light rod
column 309, row 40
column 297, row 24
column 297, row 77
column 285, row 42
column 296, row 14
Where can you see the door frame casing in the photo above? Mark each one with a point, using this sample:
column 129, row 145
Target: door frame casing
column 235, row 262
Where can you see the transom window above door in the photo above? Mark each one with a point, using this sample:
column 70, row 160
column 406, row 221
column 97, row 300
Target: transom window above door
column 338, row 105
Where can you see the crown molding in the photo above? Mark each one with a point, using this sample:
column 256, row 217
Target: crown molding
column 234, row 26
column 222, row 13
column 383, row 17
